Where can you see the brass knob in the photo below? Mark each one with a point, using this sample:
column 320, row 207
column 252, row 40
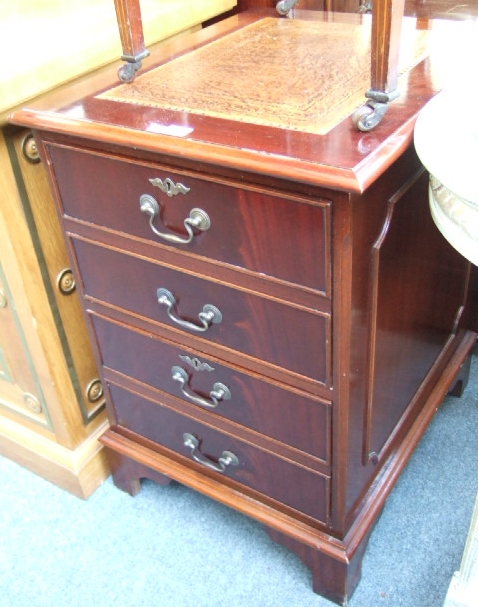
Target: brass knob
column 30, row 150
column 94, row 391
column 31, row 402
column 66, row 282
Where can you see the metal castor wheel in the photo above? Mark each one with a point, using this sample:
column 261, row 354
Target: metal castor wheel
column 127, row 71
column 367, row 116
column 283, row 7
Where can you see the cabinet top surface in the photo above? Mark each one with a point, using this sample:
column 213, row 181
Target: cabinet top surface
column 260, row 93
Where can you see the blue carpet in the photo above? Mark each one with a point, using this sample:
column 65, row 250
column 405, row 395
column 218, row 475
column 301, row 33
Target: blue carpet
column 171, row 547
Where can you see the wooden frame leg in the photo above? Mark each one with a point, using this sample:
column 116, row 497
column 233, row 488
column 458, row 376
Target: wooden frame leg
column 387, row 18
column 130, row 25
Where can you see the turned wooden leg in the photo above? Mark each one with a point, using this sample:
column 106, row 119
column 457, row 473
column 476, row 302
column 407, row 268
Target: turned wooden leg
column 127, row 473
column 333, row 577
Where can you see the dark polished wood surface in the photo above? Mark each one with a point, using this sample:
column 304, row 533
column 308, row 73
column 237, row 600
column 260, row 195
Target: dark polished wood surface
column 236, row 239
column 442, row 9
column 261, row 470
column 283, row 412
column 249, row 316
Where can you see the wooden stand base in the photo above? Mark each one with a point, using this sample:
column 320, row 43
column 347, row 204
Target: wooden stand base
column 80, row 471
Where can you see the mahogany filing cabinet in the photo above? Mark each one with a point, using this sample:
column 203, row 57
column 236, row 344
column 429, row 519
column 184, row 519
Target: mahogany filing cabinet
column 274, row 314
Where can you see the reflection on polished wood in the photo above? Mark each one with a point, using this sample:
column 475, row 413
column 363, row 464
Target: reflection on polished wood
column 428, row 9
column 441, row 9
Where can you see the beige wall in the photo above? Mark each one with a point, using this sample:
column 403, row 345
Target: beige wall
column 46, row 43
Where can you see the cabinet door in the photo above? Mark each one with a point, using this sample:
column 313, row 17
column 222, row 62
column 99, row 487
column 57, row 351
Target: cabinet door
column 19, row 389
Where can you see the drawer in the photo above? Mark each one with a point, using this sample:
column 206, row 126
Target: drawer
column 280, row 237
column 275, row 412
column 279, row 334
column 277, row 478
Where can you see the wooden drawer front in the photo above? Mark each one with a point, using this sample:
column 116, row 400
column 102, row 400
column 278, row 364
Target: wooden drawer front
column 295, row 486
column 266, row 330
column 249, row 229
column 268, row 409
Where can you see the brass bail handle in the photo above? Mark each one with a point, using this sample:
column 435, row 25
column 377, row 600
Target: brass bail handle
column 219, row 391
column 209, row 315
column 197, row 219
column 226, row 459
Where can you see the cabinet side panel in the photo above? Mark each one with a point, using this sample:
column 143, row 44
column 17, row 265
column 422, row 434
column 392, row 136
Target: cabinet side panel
column 408, row 307
column 416, row 296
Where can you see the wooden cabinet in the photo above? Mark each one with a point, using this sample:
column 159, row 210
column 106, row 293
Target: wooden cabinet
column 51, row 397
column 274, row 313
